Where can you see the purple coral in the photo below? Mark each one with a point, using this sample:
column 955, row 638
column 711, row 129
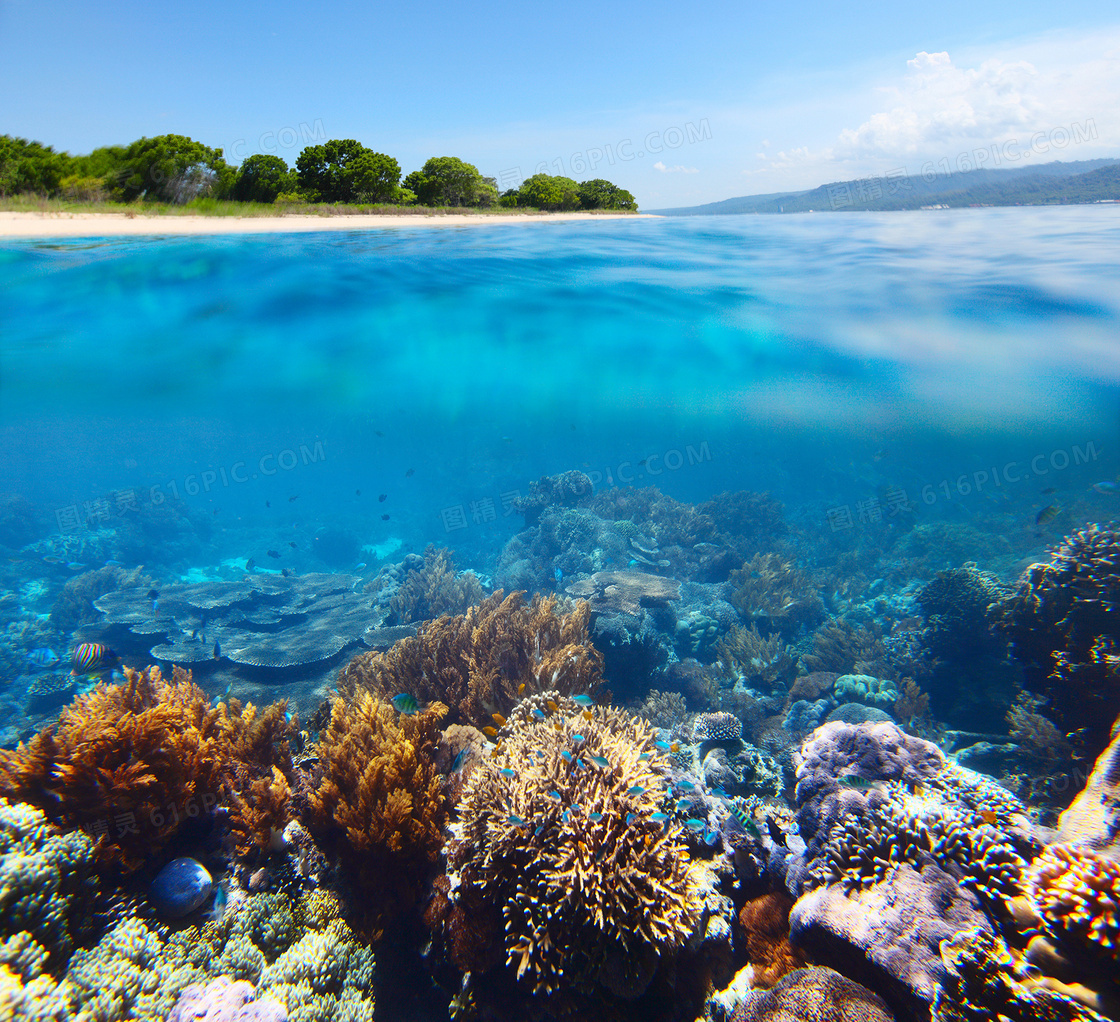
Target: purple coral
column 225, row 1000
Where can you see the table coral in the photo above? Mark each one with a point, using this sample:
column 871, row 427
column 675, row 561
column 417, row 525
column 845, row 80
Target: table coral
column 557, row 831
column 377, row 795
column 127, row 763
column 481, row 662
column 625, row 592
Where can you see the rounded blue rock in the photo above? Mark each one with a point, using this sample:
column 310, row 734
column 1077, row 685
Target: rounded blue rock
column 180, row 887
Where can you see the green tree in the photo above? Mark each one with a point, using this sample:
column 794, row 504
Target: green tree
column 173, row 168
column 600, row 194
column 450, row 181
column 543, row 191
column 344, row 170
column 31, row 167
column 262, row 178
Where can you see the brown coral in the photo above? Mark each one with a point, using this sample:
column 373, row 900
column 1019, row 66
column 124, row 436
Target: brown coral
column 846, row 649
column 126, row 763
column 764, row 925
column 1076, row 892
column 376, row 795
column 771, row 592
column 1036, row 734
column 434, row 590
column 762, row 663
column 625, row 592
column 481, row 662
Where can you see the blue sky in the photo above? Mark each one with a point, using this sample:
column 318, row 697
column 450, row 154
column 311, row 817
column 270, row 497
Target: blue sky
column 681, row 104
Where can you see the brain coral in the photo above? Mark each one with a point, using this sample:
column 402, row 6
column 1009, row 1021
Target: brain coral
column 814, row 995
column 863, row 688
column 557, row 830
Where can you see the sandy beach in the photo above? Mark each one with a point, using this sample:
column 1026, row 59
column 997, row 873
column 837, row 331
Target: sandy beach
column 98, row 225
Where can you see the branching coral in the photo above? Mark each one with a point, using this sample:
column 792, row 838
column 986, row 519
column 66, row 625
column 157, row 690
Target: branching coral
column 1036, row 735
column 764, row 925
column 1077, row 894
column 763, row 663
column 771, row 592
column 663, row 709
column 1062, row 622
column 128, row 762
column 480, row 663
column 376, row 793
column 845, row 649
column 434, row 590
column 557, row 830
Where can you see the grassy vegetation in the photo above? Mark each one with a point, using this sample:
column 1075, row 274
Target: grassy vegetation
column 26, row 203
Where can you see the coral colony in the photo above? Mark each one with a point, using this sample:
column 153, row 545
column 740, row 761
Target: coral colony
column 663, row 766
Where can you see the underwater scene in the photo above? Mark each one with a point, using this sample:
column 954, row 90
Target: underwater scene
column 698, row 619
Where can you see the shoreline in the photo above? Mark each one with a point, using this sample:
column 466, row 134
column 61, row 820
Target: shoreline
column 96, row 225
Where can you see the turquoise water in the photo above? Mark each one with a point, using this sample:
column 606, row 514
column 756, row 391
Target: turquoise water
column 795, row 348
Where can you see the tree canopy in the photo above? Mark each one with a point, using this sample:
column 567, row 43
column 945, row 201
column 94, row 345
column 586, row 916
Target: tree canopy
column 262, row 178
column 174, row 168
column 545, row 191
column 30, row 166
column 449, row 181
column 344, row 170
column 601, row 194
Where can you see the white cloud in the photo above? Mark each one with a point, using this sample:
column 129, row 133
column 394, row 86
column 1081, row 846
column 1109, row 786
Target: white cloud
column 674, row 170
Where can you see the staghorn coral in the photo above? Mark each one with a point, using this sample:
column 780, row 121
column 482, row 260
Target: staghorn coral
column 844, row 649
column 663, row 709
column 1076, row 892
column 128, row 762
column 593, row 892
column 434, row 590
column 769, row 591
column 762, row 663
column 1063, row 621
column 376, row 795
column 481, row 662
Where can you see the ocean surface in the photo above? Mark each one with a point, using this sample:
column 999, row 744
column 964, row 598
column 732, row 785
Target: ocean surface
column 917, row 391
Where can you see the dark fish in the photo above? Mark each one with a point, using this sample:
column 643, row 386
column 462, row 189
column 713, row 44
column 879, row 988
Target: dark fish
column 153, row 594
column 405, row 703
column 273, row 553
column 180, row 887
column 285, row 572
column 378, row 432
column 292, row 544
column 1048, row 491
column 384, row 518
column 357, row 493
column 91, row 656
column 250, row 564
column 461, row 759
column 410, row 472
column 268, row 503
column 217, row 650
column 296, row 497
column 382, row 497
column 777, row 835
column 1047, row 514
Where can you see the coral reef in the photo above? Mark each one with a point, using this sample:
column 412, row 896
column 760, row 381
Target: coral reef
column 376, row 796
column 128, row 763
column 863, row 688
column 276, row 621
column 767, row 664
column 1063, row 622
column 764, row 929
column 481, row 662
column 716, row 727
column 225, row 1000
column 1076, row 892
column 624, row 592
column 814, row 995
column 847, row 649
column 1036, row 735
column 568, row 489
column 663, row 709
column 1093, row 820
column 556, row 834
column 432, row 589
column 770, row 592
column 73, row 607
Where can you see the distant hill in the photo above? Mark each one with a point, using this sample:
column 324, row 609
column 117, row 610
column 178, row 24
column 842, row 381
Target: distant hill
column 1044, row 184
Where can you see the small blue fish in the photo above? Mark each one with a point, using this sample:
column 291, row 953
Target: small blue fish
column 695, row 825
column 684, row 805
column 554, row 795
column 539, row 831
column 661, row 746
column 630, row 818
column 660, row 817
column 711, row 839
column 515, row 820
column 577, row 738
column 565, row 755
column 686, row 786
column 114, row 564
column 645, row 757
column 583, row 700
column 594, row 817
column 558, row 575
column 360, row 566
column 636, row 790
column 75, row 566
column 43, row 657
column 538, row 714
column 719, row 792
column 405, row 703
column 566, row 815
column 600, row 761
column 461, row 759
column 507, row 773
